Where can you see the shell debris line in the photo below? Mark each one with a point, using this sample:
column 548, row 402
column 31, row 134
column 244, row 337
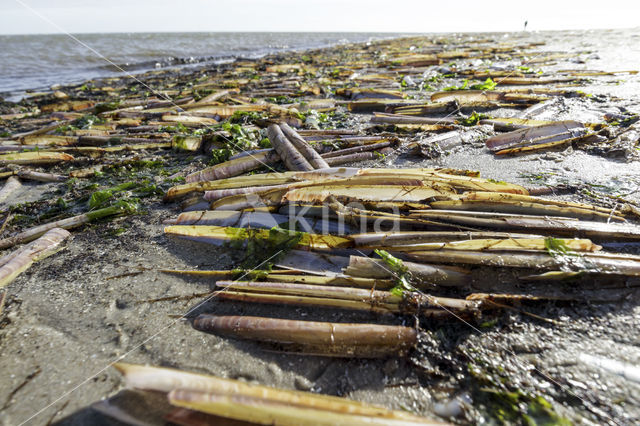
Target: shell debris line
column 329, row 175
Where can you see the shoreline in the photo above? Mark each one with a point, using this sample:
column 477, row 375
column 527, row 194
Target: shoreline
column 192, row 64
column 176, row 63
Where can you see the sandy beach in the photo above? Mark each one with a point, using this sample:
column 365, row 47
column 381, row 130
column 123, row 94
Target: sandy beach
column 71, row 315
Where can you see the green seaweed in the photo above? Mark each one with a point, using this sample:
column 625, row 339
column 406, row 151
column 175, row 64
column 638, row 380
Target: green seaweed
column 315, row 119
column 493, row 395
column 436, row 78
column 219, row 156
column 489, row 323
column 241, row 139
column 201, row 93
column 516, row 407
column 71, row 183
column 119, row 208
column 465, row 86
column 472, row 120
column 251, row 274
column 175, row 180
column 179, row 142
column 557, row 248
column 176, row 128
column 488, row 84
column 246, row 117
column 87, row 121
column 265, row 143
column 101, row 198
column 107, row 106
column 138, row 165
column 541, row 412
column 279, row 100
column 55, row 211
column 117, row 231
column 263, row 249
column 625, row 122
column 399, row 270
column 541, row 177
column 148, row 190
column 67, row 128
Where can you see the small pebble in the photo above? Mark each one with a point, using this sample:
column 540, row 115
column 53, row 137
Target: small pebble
column 303, row 384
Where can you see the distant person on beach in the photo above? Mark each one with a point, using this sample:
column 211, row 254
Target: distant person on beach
column 525, row 25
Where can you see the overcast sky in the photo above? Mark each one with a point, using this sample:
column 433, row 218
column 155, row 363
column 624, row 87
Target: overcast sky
column 82, row 16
